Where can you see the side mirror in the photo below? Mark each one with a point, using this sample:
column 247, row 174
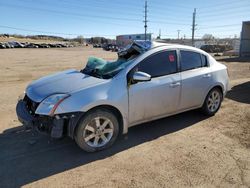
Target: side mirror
column 141, row 77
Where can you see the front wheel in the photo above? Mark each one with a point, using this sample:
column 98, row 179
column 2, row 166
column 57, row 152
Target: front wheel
column 97, row 130
column 212, row 102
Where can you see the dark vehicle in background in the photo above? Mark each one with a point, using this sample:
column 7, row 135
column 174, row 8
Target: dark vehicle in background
column 32, row 45
column 7, row 45
column 215, row 48
column 97, row 45
column 16, row 44
column 52, row 45
column 114, row 48
column 43, row 45
column 63, row 45
column 2, row 46
column 110, row 47
column 107, row 47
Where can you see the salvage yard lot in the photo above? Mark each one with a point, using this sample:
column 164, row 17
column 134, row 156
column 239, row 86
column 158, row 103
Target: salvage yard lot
column 188, row 149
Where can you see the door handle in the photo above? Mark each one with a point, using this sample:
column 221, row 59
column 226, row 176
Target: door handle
column 206, row 75
column 176, row 84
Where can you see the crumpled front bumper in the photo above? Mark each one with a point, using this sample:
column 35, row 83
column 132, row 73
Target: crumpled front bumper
column 47, row 124
column 56, row 126
column 23, row 114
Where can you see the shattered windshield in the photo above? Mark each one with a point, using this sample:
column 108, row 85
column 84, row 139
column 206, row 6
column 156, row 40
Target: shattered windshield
column 101, row 68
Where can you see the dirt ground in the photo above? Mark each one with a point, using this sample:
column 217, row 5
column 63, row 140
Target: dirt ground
column 188, row 149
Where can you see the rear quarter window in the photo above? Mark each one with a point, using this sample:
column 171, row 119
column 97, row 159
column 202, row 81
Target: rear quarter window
column 204, row 62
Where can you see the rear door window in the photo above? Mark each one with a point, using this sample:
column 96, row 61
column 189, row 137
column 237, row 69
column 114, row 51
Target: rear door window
column 190, row 60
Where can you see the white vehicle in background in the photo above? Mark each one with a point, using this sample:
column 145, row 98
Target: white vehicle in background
column 148, row 81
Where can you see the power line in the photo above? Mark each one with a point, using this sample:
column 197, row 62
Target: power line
column 130, row 5
column 170, row 23
column 49, row 32
column 86, row 6
column 84, row 15
column 218, row 18
column 90, row 16
column 183, row 8
column 221, row 4
column 169, row 17
column 224, row 9
column 69, row 13
column 127, row 10
column 203, row 16
column 108, row 11
column 219, row 26
column 227, row 11
column 157, row 6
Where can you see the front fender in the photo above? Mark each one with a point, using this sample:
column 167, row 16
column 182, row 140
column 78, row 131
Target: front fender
column 104, row 94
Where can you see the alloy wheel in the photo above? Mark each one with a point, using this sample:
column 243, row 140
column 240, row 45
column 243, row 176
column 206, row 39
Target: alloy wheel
column 213, row 101
column 98, row 132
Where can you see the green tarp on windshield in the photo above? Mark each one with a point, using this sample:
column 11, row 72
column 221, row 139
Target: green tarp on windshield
column 103, row 66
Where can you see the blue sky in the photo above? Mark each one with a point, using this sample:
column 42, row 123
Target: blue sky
column 69, row 18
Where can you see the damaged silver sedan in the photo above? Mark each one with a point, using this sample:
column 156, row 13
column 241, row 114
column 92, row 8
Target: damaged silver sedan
column 148, row 81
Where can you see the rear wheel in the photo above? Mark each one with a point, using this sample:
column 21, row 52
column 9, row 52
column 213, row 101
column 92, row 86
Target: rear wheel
column 212, row 102
column 97, row 130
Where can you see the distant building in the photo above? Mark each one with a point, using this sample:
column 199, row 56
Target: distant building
column 124, row 40
column 236, row 45
column 245, row 40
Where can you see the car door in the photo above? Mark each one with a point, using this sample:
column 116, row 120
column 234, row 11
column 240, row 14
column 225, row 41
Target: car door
column 196, row 79
column 159, row 96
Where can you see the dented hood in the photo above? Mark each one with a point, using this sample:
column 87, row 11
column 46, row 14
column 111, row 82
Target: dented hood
column 62, row 82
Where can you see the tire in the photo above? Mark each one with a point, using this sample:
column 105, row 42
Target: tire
column 212, row 102
column 97, row 130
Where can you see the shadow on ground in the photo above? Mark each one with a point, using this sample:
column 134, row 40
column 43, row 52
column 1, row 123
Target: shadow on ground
column 234, row 59
column 26, row 157
column 240, row 93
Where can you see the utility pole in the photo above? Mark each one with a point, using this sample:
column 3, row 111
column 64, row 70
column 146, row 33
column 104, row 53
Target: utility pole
column 145, row 19
column 193, row 26
column 159, row 36
column 178, row 33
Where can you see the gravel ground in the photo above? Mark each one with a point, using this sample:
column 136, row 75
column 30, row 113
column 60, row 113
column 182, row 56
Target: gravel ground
column 188, row 149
